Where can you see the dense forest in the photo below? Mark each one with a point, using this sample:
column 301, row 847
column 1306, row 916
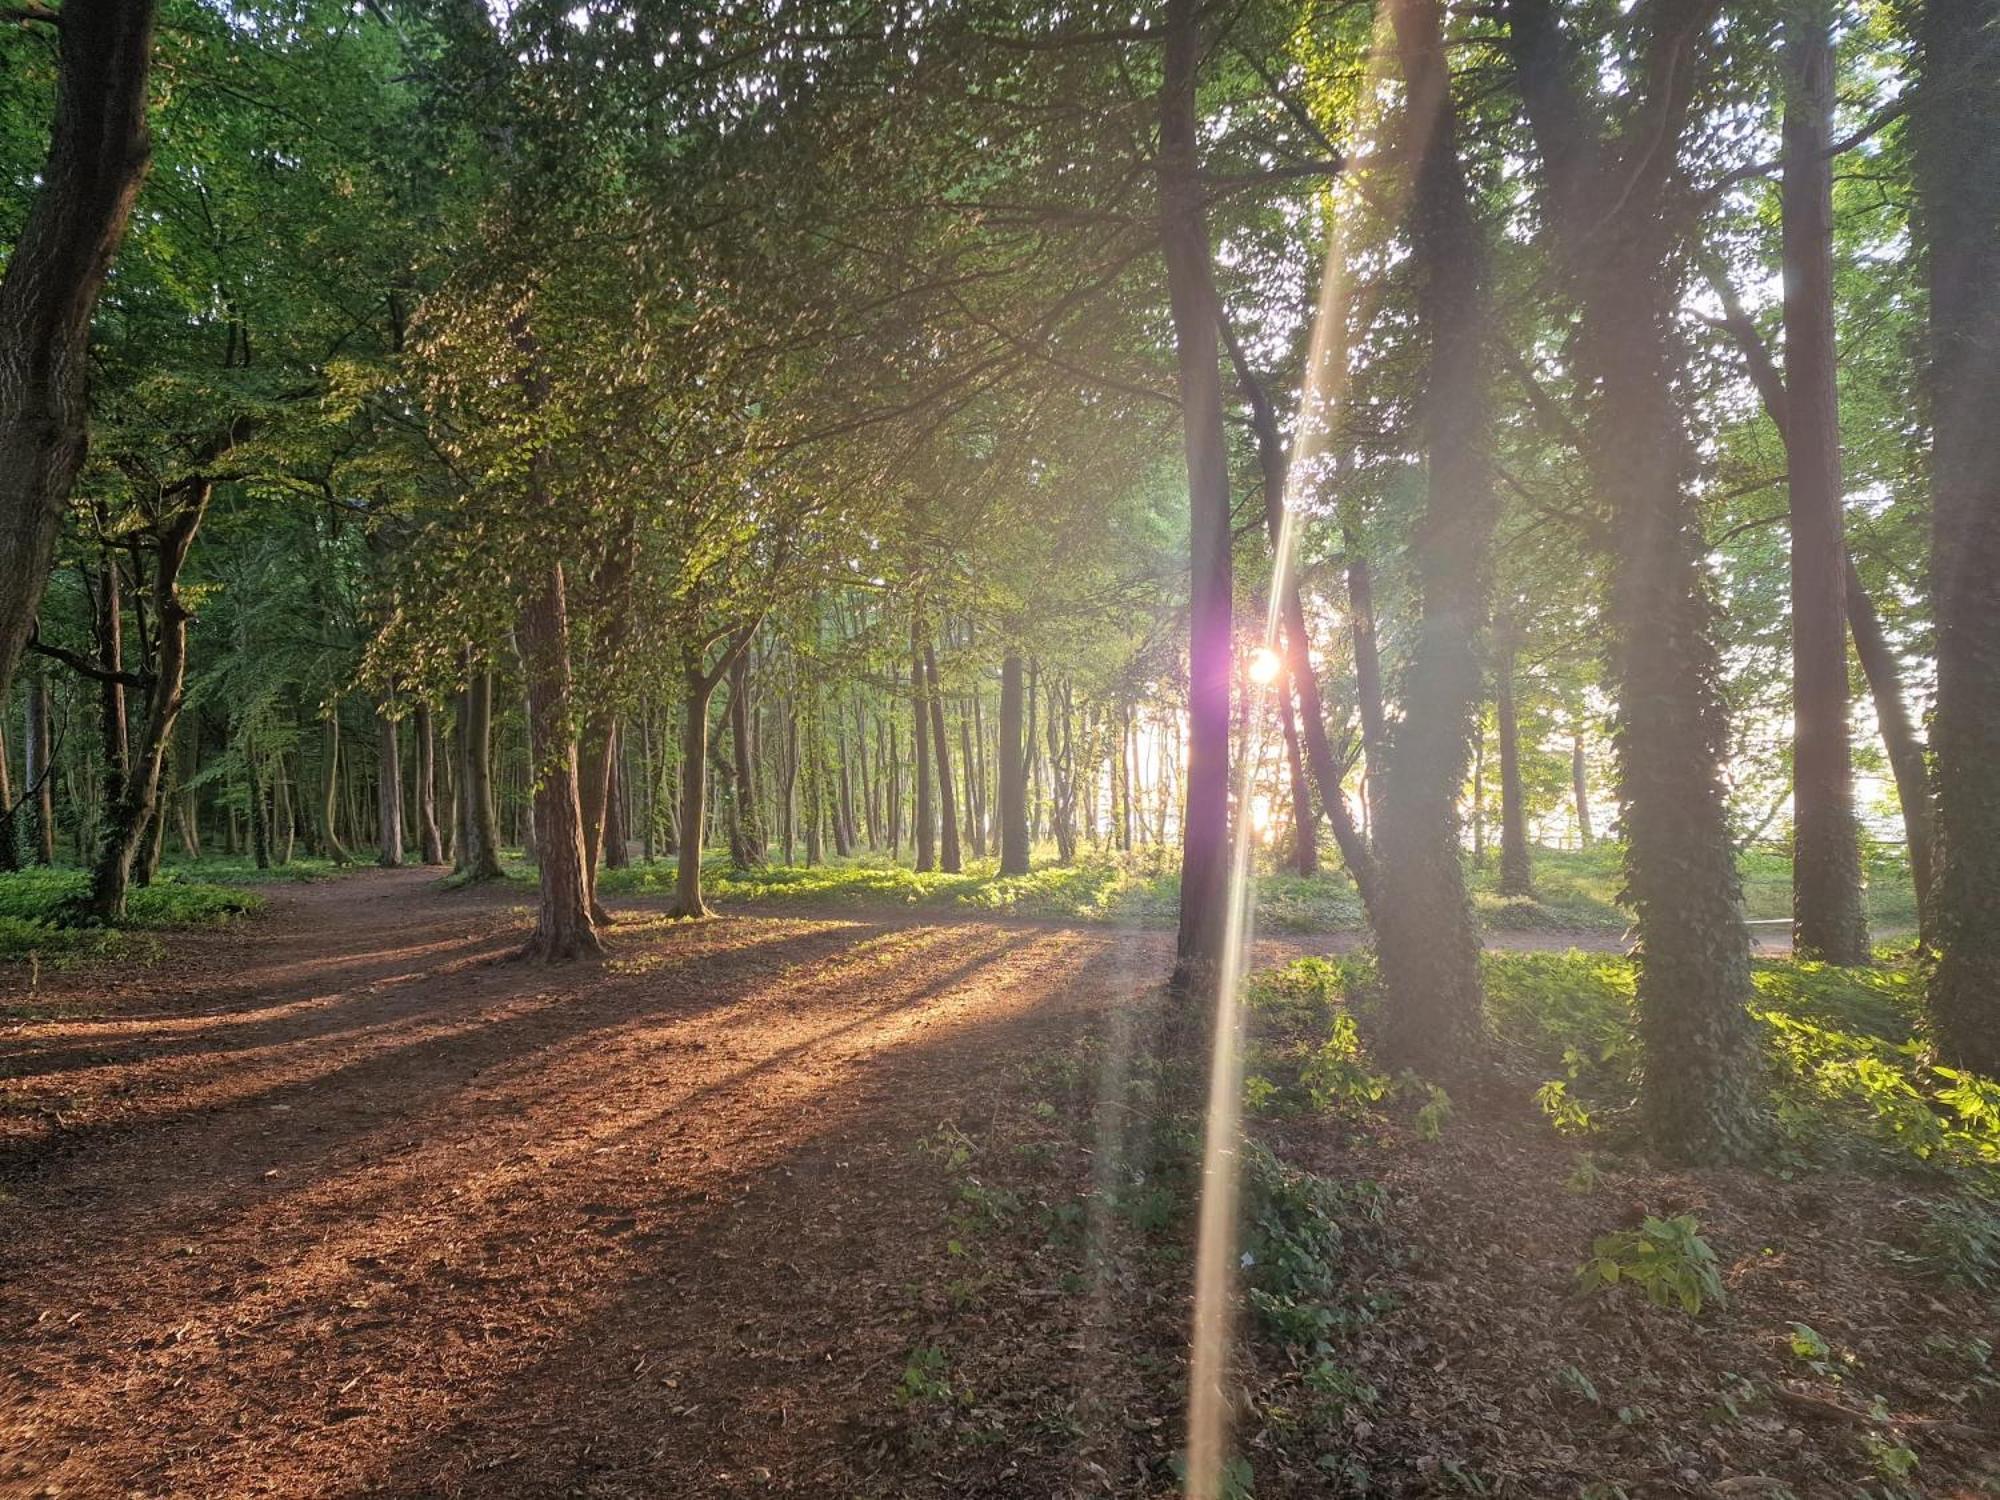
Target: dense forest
column 1402, row 481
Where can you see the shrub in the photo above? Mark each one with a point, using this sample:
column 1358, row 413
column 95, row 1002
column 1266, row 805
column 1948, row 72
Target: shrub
column 1667, row 1259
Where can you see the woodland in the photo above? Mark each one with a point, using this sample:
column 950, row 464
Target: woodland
column 978, row 747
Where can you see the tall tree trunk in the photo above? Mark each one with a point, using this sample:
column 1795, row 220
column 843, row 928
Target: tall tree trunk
column 1956, row 138
column 924, row 839
column 1829, row 917
column 110, row 626
column 1014, row 840
column 429, row 839
column 1196, row 313
column 98, row 152
column 138, row 792
column 1579, row 778
column 564, row 928
column 475, row 773
column 1517, row 872
column 975, row 834
column 388, row 790
column 950, row 860
column 617, row 812
column 1611, row 203
column 1426, row 942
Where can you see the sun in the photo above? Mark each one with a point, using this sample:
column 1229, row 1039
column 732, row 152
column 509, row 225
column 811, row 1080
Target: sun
column 1264, row 666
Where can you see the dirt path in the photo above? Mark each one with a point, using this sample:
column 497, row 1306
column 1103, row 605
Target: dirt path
column 334, row 1204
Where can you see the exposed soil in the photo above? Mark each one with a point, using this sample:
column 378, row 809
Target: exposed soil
column 339, row 1202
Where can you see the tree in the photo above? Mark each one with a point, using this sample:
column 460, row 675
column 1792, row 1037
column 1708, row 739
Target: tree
column 1829, row 920
column 1197, row 314
column 98, row 153
column 1955, row 130
column 1428, row 946
column 1613, row 200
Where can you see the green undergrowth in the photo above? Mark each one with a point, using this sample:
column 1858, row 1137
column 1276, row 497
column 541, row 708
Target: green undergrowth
column 1848, row 1073
column 1071, row 1203
column 36, row 906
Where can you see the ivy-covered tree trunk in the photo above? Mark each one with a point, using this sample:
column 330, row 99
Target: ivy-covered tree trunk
column 1196, row 312
column 1612, row 201
column 1014, row 840
column 1428, row 947
column 1956, row 136
column 98, row 153
column 564, row 929
column 1517, row 871
column 1829, row 918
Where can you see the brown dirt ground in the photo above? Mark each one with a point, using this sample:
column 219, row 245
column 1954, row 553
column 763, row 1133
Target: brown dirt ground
column 338, row 1202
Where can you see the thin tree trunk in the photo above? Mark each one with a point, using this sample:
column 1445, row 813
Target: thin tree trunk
column 1899, row 738
column 475, row 770
column 1517, row 874
column 138, row 793
column 1367, row 670
column 1305, row 831
column 38, row 756
column 1829, row 917
column 388, row 790
column 1196, row 312
column 950, row 859
column 427, row 822
column 924, row 839
column 1014, row 840
column 1580, row 784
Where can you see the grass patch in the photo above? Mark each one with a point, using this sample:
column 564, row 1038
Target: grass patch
column 33, row 904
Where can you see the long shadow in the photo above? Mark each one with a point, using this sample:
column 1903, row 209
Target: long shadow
column 774, row 1316
column 568, row 1173
column 470, row 1050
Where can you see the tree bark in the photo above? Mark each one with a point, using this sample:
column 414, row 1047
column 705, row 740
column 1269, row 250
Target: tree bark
column 950, row 859
column 1014, row 841
column 1196, row 312
column 564, row 929
column 388, row 790
column 138, row 793
column 1517, row 872
column 1955, row 134
column 330, row 786
column 1367, row 668
column 1426, row 942
column 475, row 773
column 98, row 152
column 1611, row 205
column 1829, row 917
column 1305, row 839
column 1900, row 742
column 924, row 837
column 38, row 759
column 1579, row 778
column 430, row 840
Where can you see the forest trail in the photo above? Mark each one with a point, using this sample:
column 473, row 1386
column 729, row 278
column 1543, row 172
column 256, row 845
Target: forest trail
column 331, row 1203
column 336, row 1201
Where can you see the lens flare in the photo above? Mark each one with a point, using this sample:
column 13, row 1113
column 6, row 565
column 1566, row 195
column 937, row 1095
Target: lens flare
column 1264, row 666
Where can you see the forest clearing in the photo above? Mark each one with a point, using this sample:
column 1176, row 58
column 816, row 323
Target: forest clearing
column 1223, row 749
